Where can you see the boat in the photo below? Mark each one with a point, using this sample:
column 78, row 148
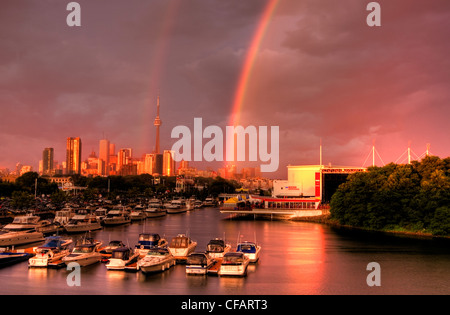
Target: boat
column 181, row 246
column 198, row 263
column 64, row 215
column 83, row 223
column 138, row 213
column 155, row 209
column 106, row 251
column 216, row 248
column 234, row 264
column 23, row 230
column 149, row 241
column 121, row 258
column 156, row 260
column 117, row 217
column 209, row 202
column 198, row 204
column 177, row 206
column 86, row 252
column 101, row 213
column 11, row 257
column 51, row 253
column 249, row 249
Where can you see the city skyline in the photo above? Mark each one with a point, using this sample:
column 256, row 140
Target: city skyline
column 313, row 68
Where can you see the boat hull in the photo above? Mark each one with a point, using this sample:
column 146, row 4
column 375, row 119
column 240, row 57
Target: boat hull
column 79, row 228
column 83, row 260
column 8, row 259
column 154, row 267
column 18, row 238
column 114, row 222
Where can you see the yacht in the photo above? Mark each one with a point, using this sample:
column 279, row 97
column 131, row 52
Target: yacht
column 138, row 213
column 117, row 217
column 216, row 248
column 23, row 230
column 155, row 209
column 249, row 249
column 122, row 258
column 149, row 241
column 64, row 215
column 100, row 213
column 198, row 263
column 83, row 223
column 86, row 252
column 181, row 246
column 234, row 264
column 55, row 249
column 156, row 260
column 177, row 206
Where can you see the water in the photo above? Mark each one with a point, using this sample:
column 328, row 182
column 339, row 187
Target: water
column 297, row 258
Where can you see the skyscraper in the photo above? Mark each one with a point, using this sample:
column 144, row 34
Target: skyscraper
column 168, row 163
column 157, row 123
column 73, row 156
column 47, row 161
column 104, row 156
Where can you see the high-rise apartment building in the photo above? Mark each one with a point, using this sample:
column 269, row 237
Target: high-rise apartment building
column 73, row 156
column 47, row 161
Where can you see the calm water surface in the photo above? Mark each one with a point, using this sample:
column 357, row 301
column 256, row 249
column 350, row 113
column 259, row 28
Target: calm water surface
column 297, row 258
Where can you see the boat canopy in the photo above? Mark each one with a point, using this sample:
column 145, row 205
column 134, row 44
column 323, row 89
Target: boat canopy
column 215, row 246
column 247, row 247
column 180, row 242
column 158, row 252
column 53, row 242
column 197, row 259
column 148, row 239
column 233, row 259
column 121, row 253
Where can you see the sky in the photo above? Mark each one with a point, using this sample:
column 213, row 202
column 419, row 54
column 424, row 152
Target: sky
column 314, row 68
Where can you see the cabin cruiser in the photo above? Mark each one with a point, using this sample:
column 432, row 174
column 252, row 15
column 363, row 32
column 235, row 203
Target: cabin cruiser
column 117, row 217
column 149, row 241
column 156, row 260
column 64, row 215
column 181, row 246
column 101, row 213
column 138, row 213
column 52, row 251
column 177, row 206
column 155, row 209
column 106, row 251
column 209, row 202
column 250, row 249
column 86, row 252
column 23, row 230
column 234, row 264
column 198, row 263
column 83, row 223
column 216, row 248
column 121, row 258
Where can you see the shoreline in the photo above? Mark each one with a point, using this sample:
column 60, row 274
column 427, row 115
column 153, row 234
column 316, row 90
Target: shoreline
column 325, row 219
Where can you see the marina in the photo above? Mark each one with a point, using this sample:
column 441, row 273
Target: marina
column 295, row 258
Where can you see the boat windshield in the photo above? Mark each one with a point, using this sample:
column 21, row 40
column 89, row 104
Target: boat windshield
column 157, row 253
column 246, row 248
column 215, row 248
column 149, row 237
column 83, row 249
column 196, row 259
column 179, row 242
column 233, row 260
column 120, row 254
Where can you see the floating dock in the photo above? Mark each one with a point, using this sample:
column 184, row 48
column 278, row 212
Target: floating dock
column 214, row 269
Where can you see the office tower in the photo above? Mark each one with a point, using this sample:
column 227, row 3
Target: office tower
column 149, row 163
column 157, row 124
column 73, row 156
column 123, row 158
column 104, row 157
column 168, row 163
column 47, row 161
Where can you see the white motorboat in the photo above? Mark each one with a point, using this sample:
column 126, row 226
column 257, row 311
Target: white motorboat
column 86, row 252
column 249, row 249
column 55, row 249
column 117, row 217
column 101, row 213
column 234, row 264
column 138, row 213
column 209, row 202
column 198, row 263
column 181, row 246
column 217, row 247
column 64, row 215
column 177, row 206
column 122, row 258
column 23, row 230
column 198, row 204
column 83, row 223
column 106, row 251
column 148, row 241
column 155, row 209
column 156, row 260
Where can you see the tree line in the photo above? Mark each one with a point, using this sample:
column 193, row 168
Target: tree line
column 404, row 197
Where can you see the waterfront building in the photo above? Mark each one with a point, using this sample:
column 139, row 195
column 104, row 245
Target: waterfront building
column 73, row 156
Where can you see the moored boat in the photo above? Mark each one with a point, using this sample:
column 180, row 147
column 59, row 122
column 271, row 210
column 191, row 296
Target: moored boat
column 156, row 260
column 155, row 209
column 198, row 263
column 23, row 230
column 149, row 241
column 217, row 247
column 249, row 249
column 234, row 264
column 177, row 206
column 138, row 213
column 117, row 217
column 83, row 223
column 122, row 258
column 52, row 252
column 181, row 246
column 8, row 258
column 86, row 252
column 106, row 251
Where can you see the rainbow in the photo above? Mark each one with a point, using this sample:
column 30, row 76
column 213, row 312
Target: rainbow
column 249, row 61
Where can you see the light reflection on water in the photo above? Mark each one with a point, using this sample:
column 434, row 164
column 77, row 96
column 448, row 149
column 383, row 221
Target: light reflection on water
column 296, row 258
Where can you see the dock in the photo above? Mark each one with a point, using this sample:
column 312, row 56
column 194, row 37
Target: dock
column 214, row 269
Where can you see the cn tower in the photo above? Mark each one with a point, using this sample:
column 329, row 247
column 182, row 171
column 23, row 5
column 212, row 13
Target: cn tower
column 157, row 123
